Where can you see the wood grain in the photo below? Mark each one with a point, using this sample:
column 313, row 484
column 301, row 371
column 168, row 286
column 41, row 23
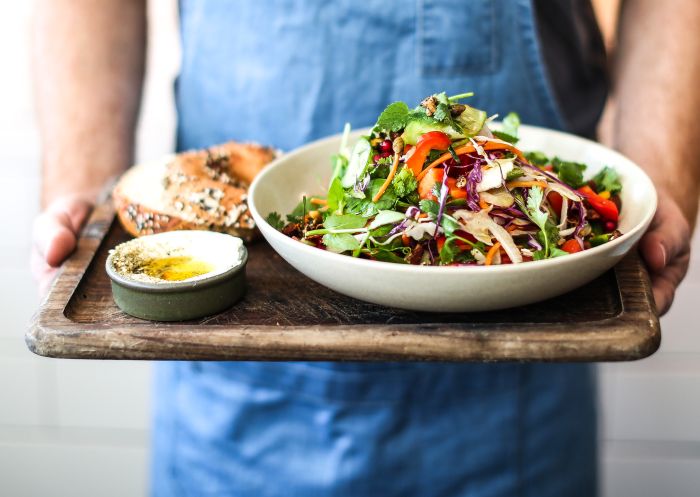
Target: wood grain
column 286, row 316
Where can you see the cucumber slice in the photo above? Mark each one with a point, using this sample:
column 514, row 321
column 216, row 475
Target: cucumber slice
column 417, row 128
column 357, row 165
column 472, row 120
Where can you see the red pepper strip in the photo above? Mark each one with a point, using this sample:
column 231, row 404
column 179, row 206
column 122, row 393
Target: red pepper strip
column 556, row 201
column 571, row 246
column 440, row 240
column 426, row 185
column 434, row 176
column 433, row 140
column 606, row 208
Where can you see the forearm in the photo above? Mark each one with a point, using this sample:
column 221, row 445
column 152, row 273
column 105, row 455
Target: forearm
column 656, row 74
column 88, row 62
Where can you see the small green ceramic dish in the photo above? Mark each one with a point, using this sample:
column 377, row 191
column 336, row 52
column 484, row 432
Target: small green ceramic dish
column 204, row 295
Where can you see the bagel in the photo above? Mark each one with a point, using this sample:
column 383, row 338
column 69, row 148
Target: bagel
column 194, row 190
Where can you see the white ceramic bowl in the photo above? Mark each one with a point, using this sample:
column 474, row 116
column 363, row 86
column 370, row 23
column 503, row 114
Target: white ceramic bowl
column 306, row 171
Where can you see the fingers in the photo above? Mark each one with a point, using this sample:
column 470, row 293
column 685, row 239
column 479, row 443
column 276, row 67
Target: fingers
column 42, row 272
column 665, row 283
column 666, row 250
column 75, row 209
column 668, row 237
column 56, row 229
column 54, row 238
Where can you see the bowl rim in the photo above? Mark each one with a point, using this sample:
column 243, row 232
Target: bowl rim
column 633, row 233
column 178, row 286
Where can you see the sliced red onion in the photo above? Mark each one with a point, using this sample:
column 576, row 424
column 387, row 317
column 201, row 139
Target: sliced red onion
column 499, row 197
column 473, row 179
column 412, row 211
column 482, row 227
column 443, row 199
column 581, row 223
column 532, row 242
column 399, row 227
column 361, row 184
column 556, row 180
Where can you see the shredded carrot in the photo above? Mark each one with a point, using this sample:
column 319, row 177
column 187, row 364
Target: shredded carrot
column 389, row 178
column 465, row 149
column 483, row 204
column 526, row 184
column 318, row 201
column 491, row 253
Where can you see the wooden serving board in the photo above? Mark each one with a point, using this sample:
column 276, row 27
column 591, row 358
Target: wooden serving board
column 286, row 316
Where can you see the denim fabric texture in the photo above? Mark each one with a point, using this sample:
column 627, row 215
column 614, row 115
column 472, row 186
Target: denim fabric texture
column 283, row 73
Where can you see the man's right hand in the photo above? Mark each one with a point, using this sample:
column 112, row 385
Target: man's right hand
column 55, row 236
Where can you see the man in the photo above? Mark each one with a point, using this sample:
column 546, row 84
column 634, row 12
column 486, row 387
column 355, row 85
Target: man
column 284, row 72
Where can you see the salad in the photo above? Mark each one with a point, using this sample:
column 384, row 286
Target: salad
column 434, row 185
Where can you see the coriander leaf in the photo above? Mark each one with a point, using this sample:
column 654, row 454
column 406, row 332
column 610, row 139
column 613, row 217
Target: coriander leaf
column 509, row 129
column 607, row 180
column 385, row 161
column 361, row 206
column 365, row 207
column 386, row 255
column 394, row 117
column 449, row 224
column 451, row 252
column 404, row 183
column 429, row 207
column 344, row 222
column 412, row 198
column 437, row 190
column 537, row 158
column 570, row 173
column 548, row 238
column 533, row 207
column 443, row 112
column 336, row 196
column 275, row 220
column 557, row 252
column 505, row 136
column 388, row 199
column 448, row 251
column 511, row 124
column 340, row 242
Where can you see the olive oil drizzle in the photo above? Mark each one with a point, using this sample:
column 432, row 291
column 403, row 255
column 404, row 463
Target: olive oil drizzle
column 175, row 268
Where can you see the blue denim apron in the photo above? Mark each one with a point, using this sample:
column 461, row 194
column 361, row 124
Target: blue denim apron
column 284, row 72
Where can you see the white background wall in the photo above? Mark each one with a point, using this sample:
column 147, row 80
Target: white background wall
column 78, row 428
